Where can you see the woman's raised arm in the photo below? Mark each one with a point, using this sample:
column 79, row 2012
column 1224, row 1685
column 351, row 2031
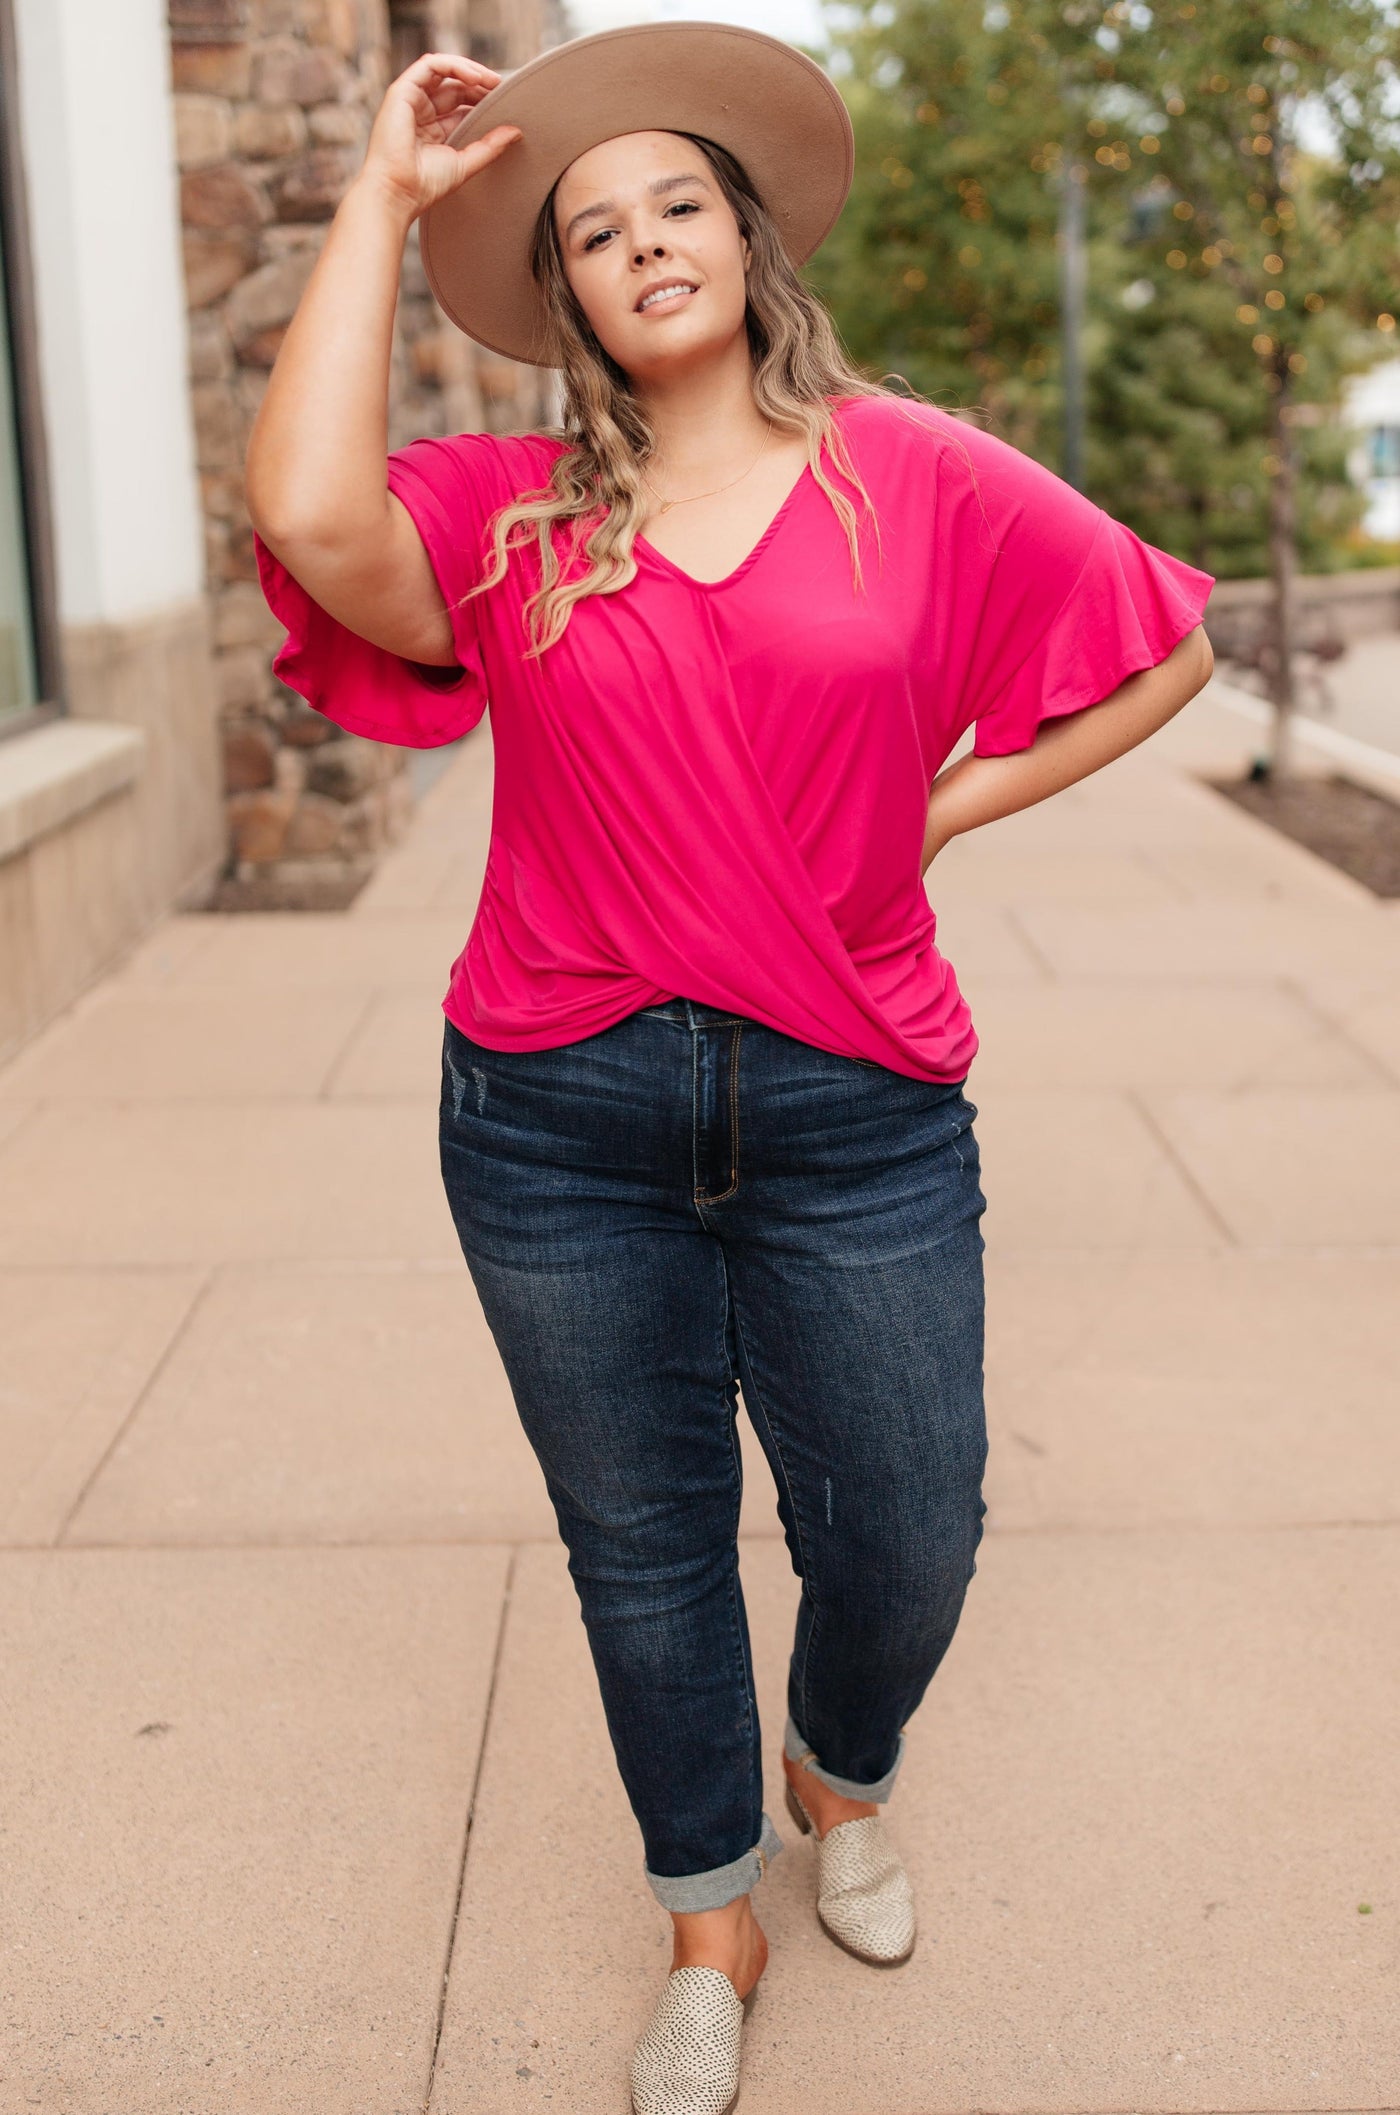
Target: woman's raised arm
column 314, row 478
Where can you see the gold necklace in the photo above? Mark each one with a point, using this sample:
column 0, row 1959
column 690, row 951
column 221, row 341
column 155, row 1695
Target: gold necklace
column 667, row 504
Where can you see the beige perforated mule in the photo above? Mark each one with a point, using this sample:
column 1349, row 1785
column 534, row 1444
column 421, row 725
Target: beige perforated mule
column 865, row 1899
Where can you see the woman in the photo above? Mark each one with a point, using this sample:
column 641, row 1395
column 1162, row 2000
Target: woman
column 703, row 1123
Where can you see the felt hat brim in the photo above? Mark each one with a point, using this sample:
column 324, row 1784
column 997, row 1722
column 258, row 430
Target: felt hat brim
column 770, row 105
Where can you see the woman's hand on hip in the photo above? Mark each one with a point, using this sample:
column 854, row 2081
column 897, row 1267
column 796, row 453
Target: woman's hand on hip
column 408, row 157
column 981, row 789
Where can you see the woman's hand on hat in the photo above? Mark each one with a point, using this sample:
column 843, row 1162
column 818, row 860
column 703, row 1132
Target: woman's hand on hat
column 408, row 156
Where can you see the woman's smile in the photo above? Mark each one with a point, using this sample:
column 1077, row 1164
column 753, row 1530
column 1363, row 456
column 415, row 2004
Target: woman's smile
column 663, row 299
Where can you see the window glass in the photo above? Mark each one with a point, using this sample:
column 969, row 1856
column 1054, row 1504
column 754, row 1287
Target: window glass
column 18, row 674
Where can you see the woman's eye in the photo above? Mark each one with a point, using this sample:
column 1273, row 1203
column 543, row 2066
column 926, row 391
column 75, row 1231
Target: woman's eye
column 680, row 205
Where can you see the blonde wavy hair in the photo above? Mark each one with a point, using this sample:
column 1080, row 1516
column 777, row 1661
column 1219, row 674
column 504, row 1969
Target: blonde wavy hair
column 596, row 483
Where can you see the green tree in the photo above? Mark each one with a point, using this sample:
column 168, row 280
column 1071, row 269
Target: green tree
column 943, row 267
column 1304, row 248
column 1175, row 408
column 1258, row 275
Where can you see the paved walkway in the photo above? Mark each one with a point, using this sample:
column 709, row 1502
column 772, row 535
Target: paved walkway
column 1360, row 694
column 300, row 1719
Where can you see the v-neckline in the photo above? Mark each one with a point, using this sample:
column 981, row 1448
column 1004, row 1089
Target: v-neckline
column 643, row 543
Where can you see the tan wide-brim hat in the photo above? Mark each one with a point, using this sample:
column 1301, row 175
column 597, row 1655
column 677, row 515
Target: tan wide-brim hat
column 769, row 104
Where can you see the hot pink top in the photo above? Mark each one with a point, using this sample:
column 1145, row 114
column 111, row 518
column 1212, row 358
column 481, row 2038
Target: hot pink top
column 718, row 790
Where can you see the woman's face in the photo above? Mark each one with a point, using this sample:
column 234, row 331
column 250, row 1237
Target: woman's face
column 641, row 212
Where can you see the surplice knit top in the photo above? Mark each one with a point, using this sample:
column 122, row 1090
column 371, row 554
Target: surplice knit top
column 718, row 790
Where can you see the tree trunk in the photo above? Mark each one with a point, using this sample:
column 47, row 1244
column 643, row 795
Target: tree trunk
column 1282, row 568
column 1073, row 273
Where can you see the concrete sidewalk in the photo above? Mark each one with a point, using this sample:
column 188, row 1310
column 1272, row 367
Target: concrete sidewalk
column 1358, row 696
column 309, row 1803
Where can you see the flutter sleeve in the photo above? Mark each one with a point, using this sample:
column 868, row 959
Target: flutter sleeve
column 1074, row 602
column 364, row 688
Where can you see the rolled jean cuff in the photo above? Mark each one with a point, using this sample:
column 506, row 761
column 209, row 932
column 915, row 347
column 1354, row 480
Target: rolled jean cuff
column 711, row 1890
column 795, row 1747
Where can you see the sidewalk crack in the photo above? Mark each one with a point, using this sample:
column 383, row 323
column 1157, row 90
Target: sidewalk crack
column 137, row 1404
column 326, row 1091
column 467, row 1831
column 1030, row 944
column 1202, row 1196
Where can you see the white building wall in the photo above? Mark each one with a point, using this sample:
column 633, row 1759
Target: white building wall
column 1373, row 400
column 97, row 134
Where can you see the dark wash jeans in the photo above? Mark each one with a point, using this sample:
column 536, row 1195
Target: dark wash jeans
column 650, row 1214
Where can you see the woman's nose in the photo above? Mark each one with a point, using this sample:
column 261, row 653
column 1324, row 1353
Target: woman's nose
column 658, row 249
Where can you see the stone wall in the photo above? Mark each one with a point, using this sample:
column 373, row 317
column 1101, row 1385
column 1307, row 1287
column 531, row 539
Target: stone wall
column 274, row 100
column 1333, row 610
